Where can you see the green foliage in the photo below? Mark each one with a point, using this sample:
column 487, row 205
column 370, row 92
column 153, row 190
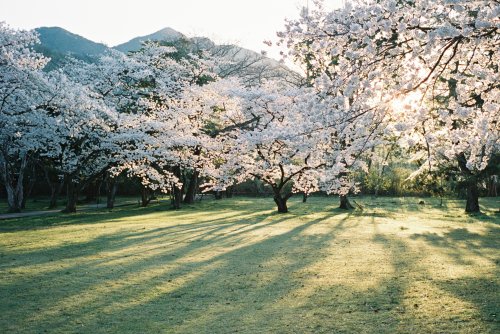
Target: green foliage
column 393, row 181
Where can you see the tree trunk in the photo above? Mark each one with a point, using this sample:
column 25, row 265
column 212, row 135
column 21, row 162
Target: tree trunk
column 13, row 187
column 304, row 197
column 54, row 184
column 191, row 188
column 29, row 188
column 90, row 192
column 145, row 197
column 472, row 205
column 281, row 200
column 492, row 186
column 177, row 192
column 176, row 198
column 229, row 192
column 55, row 193
column 53, row 196
column 218, row 194
column 111, row 188
column 344, row 203
column 281, row 203
column 14, row 202
column 71, row 195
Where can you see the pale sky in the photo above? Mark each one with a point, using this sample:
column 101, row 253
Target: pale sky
column 244, row 22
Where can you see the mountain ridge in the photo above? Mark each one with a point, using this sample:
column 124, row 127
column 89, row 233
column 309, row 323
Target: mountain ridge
column 166, row 34
column 59, row 43
column 251, row 67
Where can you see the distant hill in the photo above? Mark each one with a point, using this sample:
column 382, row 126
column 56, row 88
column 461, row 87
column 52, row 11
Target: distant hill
column 166, row 34
column 251, row 67
column 58, row 43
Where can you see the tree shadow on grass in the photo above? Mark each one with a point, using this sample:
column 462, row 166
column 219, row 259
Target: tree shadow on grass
column 415, row 293
column 460, row 243
column 471, row 289
column 246, row 271
column 206, row 231
column 174, row 280
column 105, row 215
column 462, row 246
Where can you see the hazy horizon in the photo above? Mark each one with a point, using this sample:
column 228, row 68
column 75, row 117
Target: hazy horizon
column 244, row 23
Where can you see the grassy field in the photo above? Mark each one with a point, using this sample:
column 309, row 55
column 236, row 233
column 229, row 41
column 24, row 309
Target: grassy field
column 236, row 266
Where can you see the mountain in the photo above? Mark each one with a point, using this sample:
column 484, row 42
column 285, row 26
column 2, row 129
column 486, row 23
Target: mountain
column 58, row 43
column 251, row 67
column 166, row 34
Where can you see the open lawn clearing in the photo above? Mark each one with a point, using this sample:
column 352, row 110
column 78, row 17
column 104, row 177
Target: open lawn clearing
column 237, row 266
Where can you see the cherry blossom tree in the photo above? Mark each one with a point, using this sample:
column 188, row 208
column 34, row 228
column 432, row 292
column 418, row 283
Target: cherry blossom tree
column 156, row 131
column 265, row 134
column 22, row 94
column 430, row 66
column 81, row 130
column 177, row 126
column 141, row 89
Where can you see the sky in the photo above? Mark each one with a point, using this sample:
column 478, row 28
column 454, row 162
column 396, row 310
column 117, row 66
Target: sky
column 244, row 22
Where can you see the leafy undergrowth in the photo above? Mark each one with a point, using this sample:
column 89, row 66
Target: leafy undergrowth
column 236, row 266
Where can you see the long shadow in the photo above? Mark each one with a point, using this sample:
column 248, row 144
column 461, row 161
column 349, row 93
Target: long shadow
column 392, row 291
column 471, row 289
column 217, row 275
column 247, row 279
column 222, row 231
column 99, row 215
column 222, row 273
column 459, row 243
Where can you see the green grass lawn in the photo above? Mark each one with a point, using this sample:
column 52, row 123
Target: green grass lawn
column 236, row 266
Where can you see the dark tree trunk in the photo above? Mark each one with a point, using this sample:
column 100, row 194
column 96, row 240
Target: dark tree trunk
column 344, row 203
column 71, row 195
column 90, row 192
column 111, row 188
column 145, row 197
column 304, row 197
column 229, row 192
column 472, row 205
column 281, row 199
column 191, row 188
column 53, row 196
column 281, row 202
column 54, row 184
column 55, row 192
column 176, row 191
column 492, row 186
column 14, row 199
column 218, row 195
column 29, row 188
column 177, row 198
